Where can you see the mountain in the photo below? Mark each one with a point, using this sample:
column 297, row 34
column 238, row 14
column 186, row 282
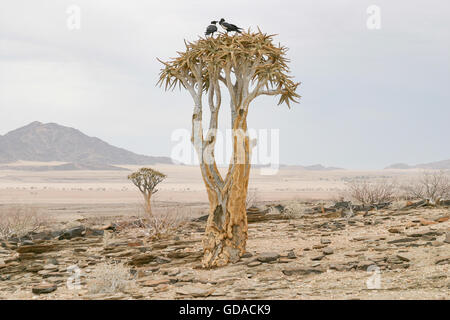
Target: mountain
column 52, row 142
column 399, row 166
column 437, row 165
column 319, row 167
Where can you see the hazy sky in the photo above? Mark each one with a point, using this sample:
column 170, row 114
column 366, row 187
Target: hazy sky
column 369, row 97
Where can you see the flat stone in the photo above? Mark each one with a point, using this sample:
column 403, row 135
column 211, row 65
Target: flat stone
column 363, row 265
column 195, row 291
column 325, row 241
column 268, row 256
column 44, row 288
column 72, row 233
column 37, row 248
column 301, row 271
column 154, row 283
column 441, row 261
column 403, row 240
column 317, row 258
column 254, row 263
column 142, row 259
column 394, row 230
column 327, row 251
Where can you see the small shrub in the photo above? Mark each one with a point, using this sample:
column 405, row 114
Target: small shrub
column 371, row 192
column 109, row 278
column 158, row 225
column 433, row 185
column 18, row 221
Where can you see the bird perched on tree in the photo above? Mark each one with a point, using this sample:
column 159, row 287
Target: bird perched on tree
column 229, row 27
column 211, row 29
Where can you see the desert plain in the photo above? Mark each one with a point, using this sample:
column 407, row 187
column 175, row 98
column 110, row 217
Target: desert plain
column 294, row 251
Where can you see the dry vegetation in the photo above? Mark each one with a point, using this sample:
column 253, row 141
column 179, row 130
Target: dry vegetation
column 434, row 186
column 431, row 185
column 19, row 220
column 109, row 278
column 371, row 192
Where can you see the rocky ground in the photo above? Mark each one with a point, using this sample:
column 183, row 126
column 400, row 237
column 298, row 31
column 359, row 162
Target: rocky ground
column 317, row 254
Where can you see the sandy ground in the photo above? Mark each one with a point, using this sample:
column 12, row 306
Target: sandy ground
column 184, row 185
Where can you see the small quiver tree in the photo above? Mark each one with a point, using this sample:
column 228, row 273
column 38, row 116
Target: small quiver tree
column 146, row 180
column 247, row 65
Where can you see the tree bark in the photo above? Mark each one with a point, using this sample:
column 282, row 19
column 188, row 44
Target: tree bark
column 148, row 204
column 226, row 230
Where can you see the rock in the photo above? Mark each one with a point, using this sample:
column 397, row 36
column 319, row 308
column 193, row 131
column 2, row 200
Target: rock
column 394, row 230
column 142, row 259
column 72, row 233
column 291, row 255
column 325, row 241
column 441, row 261
column 94, row 233
column 363, row 265
column 301, row 271
column 317, row 258
column 442, row 219
column 195, row 291
column 44, row 288
column 327, row 251
column 162, row 260
column 268, row 256
column 447, row 237
column 403, row 240
column 154, row 283
column 37, row 248
column 254, row 264
column 424, row 222
column 403, row 258
column 247, row 255
column 34, row 267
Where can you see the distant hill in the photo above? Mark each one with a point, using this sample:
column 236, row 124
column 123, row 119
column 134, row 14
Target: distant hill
column 52, row 142
column 64, row 167
column 319, row 167
column 438, row 165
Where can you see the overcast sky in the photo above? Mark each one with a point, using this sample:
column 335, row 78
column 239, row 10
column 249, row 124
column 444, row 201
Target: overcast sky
column 369, row 97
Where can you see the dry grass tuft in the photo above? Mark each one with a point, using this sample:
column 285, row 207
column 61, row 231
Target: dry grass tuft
column 109, row 278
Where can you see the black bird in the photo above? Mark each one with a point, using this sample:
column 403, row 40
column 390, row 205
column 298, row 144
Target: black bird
column 211, row 29
column 229, row 27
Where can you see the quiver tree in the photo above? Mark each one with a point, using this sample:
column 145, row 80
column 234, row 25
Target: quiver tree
column 247, row 66
column 146, row 180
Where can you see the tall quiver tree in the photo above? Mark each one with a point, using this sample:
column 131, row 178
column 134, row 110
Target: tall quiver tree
column 247, row 65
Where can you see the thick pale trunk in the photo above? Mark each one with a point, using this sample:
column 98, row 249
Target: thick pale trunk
column 226, row 230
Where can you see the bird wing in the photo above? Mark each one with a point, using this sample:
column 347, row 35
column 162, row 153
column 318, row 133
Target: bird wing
column 230, row 26
column 211, row 28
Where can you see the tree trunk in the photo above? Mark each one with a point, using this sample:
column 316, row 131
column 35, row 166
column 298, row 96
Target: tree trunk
column 148, row 204
column 227, row 230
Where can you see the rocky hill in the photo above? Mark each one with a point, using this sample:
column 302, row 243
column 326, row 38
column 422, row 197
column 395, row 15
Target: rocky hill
column 52, row 142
